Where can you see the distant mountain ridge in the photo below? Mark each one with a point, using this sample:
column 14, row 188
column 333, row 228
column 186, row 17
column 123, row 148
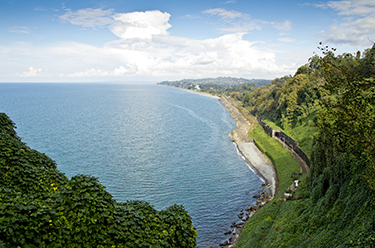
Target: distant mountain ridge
column 218, row 83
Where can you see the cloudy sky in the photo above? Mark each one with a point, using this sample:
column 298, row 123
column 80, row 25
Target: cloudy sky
column 148, row 40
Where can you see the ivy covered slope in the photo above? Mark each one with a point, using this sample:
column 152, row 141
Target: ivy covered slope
column 335, row 205
column 40, row 206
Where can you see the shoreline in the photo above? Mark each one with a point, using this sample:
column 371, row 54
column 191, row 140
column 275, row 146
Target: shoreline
column 254, row 157
column 257, row 160
column 248, row 148
column 201, row 93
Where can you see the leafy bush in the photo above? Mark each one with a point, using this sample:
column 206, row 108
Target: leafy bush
column 40, row 206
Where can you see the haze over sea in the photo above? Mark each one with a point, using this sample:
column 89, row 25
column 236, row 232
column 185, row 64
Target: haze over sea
column 144, row 142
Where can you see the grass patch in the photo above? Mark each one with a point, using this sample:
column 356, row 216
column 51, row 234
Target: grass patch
column 258, row 229
column 303, row 133
column 283, row 160
column 271, row 124
column 342, row 216
column 259, row 226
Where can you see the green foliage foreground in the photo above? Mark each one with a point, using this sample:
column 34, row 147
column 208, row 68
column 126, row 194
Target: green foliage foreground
column 40, row 206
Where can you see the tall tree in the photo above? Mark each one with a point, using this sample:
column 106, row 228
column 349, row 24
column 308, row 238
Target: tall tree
column 349, row 111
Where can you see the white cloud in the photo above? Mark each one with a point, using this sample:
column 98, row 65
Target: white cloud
column 234, row 21
column 121, row 71
column 90, row 73
column 164, row 57
column 174, row 56
column 223, row 13
column 352, row 32
column 353, row 7
column 89, row 17
column 188, row 16
column 142, row 25
column 288, row 40
column 20, row 29
column 145, row 50
column 244, row 26
column 31, row 73
column 316, row 5
column 356, row 29
column 284, row 26
column 38, row 8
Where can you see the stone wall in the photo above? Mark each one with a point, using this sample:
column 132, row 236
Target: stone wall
column 303, row 156
column 266, row 128
column 287, row 140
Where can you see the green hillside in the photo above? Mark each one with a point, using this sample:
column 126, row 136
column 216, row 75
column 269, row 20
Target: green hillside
column 41, row 207
column 329, row 107
column 217, row 85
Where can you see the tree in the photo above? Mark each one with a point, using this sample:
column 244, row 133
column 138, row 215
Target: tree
column 349, row 111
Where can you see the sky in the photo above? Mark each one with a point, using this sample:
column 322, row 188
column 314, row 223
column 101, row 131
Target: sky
column 153, row 41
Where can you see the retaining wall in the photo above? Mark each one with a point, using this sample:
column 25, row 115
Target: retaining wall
column 287, row 140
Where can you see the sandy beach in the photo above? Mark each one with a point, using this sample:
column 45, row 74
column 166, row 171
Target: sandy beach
column 248, row 148
column 201, row 93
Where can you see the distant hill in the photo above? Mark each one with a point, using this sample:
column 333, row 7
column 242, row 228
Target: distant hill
column 215, row 83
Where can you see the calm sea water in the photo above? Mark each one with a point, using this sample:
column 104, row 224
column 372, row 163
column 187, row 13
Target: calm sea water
column 144, row 142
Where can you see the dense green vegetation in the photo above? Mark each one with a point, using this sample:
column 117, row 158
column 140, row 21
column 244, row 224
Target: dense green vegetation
column 218, row 85
column 41, row 207
column 290, row 103
column 329, row 107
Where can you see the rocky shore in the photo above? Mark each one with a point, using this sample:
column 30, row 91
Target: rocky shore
column 256, row 159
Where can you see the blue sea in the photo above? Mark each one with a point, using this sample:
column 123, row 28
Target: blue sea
column 144, row 142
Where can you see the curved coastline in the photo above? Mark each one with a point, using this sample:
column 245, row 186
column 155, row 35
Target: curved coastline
column 248, row 148
column 256, row 159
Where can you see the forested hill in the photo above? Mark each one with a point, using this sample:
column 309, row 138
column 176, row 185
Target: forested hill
column 328, row 106
column 220, row 83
